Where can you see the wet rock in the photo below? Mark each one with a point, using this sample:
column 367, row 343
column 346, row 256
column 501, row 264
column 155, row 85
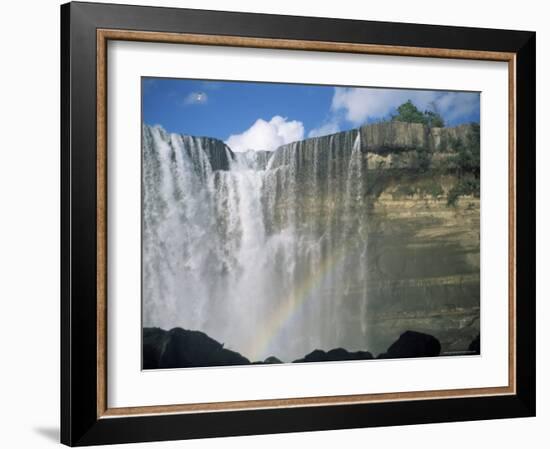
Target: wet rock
column 181, row 348
column 475, row 345
column 413, row 344
column 334, row 355
column 153, row 341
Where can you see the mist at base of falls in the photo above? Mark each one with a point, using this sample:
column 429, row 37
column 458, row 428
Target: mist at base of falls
column 264, row 252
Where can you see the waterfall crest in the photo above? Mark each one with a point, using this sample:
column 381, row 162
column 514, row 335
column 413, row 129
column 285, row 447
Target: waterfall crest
column 263, row 251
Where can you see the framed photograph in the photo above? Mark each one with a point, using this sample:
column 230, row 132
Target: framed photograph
column 280, row 224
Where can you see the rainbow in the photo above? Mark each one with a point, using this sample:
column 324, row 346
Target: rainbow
column 294, row 302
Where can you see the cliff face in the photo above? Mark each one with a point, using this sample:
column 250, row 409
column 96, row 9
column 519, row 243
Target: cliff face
column 398, row 136
column 344, row 240
column 423, row 266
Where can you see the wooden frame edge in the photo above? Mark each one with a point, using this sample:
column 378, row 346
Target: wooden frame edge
column 292, row 44
column 317, row 401
column 101, row 167
column 103, row 36
column 512, row 195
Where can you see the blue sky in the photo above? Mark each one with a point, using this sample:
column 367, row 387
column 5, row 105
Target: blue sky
column 262, row 116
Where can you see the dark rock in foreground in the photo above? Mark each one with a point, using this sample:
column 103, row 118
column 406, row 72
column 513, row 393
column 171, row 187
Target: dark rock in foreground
column 413, row 344
column 334, row 355
column 181, row 348
column 153, row 342
column 269, row 361
column 475, row 345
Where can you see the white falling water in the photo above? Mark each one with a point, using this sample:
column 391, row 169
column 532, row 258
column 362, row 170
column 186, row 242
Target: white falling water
column 265, row 252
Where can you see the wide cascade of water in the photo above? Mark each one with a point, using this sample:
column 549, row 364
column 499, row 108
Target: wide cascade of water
column 263, row 251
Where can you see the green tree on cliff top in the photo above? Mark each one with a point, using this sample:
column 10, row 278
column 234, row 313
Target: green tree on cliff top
column 409, row 113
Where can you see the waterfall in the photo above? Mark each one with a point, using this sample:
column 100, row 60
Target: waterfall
column 263, row 251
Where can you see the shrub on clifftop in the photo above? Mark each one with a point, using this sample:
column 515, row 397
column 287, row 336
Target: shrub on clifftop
column 409, row 113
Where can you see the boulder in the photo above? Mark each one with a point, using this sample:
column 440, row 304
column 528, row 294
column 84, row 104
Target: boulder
column 475, row 345
column 153, row 342
column 334, row 355
column 272, row 360
column 413, row 344
column 181, row 348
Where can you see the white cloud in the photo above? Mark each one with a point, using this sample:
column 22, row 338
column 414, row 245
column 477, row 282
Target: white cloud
column 326, row 128
column 360, row 104
column 196, row 98
column 264, row 135
column 456, row 105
